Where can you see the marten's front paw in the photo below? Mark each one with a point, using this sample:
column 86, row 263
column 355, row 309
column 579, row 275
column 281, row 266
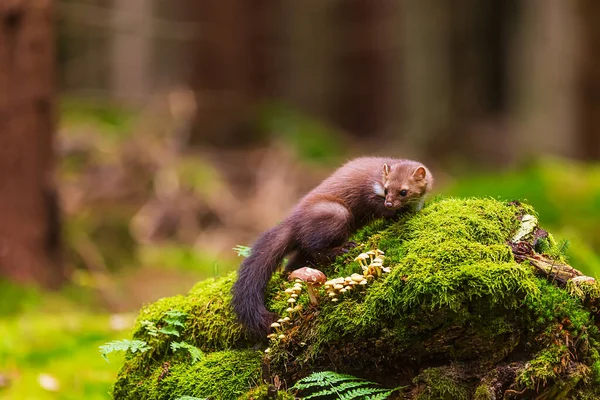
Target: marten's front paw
column 340, row 251
column 348, row 246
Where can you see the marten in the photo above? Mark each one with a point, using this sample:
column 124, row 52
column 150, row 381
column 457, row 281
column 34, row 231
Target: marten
column 360, row 191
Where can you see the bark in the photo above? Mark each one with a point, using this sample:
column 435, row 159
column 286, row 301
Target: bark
column 29, row 228
column 363, row 49
column 233, row 66
column 588, row 88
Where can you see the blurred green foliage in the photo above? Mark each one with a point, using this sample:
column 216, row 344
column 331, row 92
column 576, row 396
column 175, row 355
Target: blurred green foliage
column 566, row 194
column 102, row 116
column 311, row 139
column 182, row 257
column 38, row 346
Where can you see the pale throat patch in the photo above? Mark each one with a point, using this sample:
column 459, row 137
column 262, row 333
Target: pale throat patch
column 378, row 189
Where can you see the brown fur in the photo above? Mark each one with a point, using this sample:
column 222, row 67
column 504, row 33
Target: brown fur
column 323, row 220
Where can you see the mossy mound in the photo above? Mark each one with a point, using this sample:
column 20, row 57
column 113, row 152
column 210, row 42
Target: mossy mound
column 456, row 317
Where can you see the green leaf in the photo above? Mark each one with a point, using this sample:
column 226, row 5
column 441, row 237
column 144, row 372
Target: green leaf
column 123, row 346
column 174, row 322
column 195, row 352
column 242, row 251
column 176, row 313
column 169, row 330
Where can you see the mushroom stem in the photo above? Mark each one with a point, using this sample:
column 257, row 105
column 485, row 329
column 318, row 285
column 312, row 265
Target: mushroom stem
column 312, row 296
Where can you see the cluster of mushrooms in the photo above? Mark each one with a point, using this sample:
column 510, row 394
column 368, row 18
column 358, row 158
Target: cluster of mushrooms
column 371, row 263
column 293, row 293
column 375, row 266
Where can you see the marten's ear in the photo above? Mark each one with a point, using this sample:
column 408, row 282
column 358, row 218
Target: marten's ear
column 386, row 171
column 420, row 173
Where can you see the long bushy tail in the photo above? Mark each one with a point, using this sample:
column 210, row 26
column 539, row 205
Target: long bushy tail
column 253, row 276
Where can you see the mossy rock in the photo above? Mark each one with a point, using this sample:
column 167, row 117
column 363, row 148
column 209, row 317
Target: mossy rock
column 456, row 317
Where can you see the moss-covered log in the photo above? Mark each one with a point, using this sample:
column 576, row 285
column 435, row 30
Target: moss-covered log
column 457, row 316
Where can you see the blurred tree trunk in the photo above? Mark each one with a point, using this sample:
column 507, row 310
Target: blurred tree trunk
column 29, row 228
column 362, row 59
column 588, row 85
column 307, row 56
column 234, row 66
column 132, row 50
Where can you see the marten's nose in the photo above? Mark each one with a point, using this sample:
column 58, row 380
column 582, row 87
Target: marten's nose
column 388, row 204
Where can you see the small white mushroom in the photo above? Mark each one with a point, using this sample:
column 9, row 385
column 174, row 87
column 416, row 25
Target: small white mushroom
column 371, row 254
column 361, row 258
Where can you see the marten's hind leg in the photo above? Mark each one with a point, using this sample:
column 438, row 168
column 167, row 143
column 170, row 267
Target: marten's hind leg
column 324, row 228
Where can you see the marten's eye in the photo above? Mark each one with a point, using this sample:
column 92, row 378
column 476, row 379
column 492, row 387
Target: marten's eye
column 403, row 192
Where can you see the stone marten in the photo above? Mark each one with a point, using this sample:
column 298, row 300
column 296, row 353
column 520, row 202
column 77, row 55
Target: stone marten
column 360, row 191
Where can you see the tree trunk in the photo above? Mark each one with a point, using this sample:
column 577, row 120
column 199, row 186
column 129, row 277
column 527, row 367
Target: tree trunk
column 233, row 67
column 29, row 225
column 588, row 85
column 362, row 57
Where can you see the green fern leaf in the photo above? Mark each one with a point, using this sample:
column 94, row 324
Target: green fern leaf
column 176, row 314
column 317, row 379
column 123, row 346
column 366, row 393
column 174, row 322
column 195, row 352
column 328, row 384
column 242, row 251
column 189, row 398
column 169, row 330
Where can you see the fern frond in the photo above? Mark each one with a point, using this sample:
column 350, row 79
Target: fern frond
column 189, row 398
column 195, row 352
column 370, row 393
column 174, row 322
column 340, row 386
column 169, row 330
column 176, row 314
column 150, row 327
column 123, row 345
column 242, row 251
column 317, row 379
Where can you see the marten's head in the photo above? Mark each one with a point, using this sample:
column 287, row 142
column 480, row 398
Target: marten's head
column 405, row 184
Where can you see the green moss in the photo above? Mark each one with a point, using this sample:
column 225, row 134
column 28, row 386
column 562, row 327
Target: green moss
column 483, row 392
column 451, row 266
column 454, row 295
column 211, row 324
column 220, row 375
column 266, row 392
column 440, row 384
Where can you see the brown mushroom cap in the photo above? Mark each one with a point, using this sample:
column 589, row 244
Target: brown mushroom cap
column 309, row 275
